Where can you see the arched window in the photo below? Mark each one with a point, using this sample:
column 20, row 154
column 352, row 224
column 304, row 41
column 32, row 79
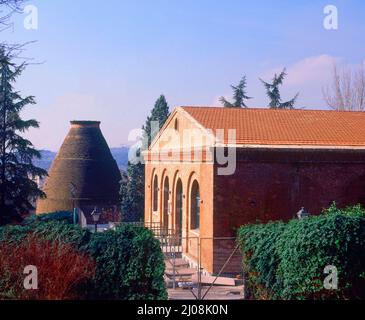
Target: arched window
column 195, row 206
column 155, row 194
column 166, row 196
column 179, row 207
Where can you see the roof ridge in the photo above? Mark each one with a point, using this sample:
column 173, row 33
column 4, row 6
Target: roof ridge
column 271, row 110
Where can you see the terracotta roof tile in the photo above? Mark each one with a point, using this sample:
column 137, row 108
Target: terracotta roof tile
column 285, row 127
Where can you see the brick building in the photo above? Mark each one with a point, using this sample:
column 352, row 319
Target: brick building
column 205, row 180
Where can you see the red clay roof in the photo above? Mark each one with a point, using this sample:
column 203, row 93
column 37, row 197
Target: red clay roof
column 285, row 127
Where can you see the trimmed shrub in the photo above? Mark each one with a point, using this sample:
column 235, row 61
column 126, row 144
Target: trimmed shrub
column 287, row 260
column 260, row 259
column 63, row 272
column 65, row 216
column 129, row 263
column 50, row 229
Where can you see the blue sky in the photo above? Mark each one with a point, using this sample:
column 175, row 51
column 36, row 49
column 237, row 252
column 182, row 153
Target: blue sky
column 111, row 60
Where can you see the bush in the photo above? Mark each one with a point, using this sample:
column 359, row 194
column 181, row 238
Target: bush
column 130, row 265
column 287, row 260
column 261, row 261
column 52, row 229
column 129, row 261
column 65, row 216
column 62, row 271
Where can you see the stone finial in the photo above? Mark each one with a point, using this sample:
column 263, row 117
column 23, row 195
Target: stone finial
column 302, row 213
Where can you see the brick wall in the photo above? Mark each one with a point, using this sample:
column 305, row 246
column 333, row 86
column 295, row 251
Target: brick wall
column 275, row 184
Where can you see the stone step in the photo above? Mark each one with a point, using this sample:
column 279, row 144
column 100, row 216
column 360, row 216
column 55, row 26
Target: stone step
column 181, row 272
column 220, row 281
column 179, row 263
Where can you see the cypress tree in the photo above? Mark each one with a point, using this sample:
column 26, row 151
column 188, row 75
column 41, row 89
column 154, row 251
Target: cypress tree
column 239, row 96
column 273, row 92
column 18, row 189
column 159, row 115
column 132, row 184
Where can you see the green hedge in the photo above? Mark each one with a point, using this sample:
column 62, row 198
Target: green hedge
column 50, row 228
column 129, row 261
column 130, row 265
column 65, row 216
column 287, row 260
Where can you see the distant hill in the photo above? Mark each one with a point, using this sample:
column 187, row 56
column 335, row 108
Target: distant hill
column 46, row 160
column 120, row 155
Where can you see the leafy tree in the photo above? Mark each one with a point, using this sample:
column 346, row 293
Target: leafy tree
column 239, row 96
column 132, row 185
column 18, row 189
column 273, row 92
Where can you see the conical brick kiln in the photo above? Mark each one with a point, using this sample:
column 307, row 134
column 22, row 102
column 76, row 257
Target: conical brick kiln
column 84, row 173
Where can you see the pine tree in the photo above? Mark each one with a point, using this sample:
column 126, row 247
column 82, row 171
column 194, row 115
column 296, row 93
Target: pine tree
column 273, row 92
column 18, row 189
column 132, row 184
column 159, row 114
column 239, row 96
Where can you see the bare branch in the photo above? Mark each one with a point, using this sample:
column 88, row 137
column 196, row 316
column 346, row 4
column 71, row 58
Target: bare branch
column 7, row 9
column 347, row 91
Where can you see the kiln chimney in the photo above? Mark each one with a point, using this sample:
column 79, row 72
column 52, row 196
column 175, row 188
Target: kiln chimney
column 84, row 172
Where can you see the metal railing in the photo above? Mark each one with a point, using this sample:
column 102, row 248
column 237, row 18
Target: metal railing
column 227, row 261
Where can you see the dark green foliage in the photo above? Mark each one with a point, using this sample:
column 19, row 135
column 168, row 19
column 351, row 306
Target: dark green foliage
column 132, row 193
column 49, row 227
column 130, row 265
column 65, row 216
column 18, row 190
column 132, row 185
column 287, row 260
column 239, row 96
column 273, row 92
column 129, row 261
column 155, row 121
column 260, row 260
column 355, row 211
